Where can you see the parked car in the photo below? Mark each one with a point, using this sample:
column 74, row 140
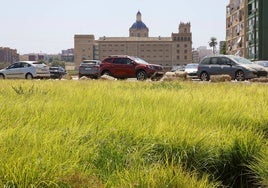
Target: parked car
column 89, row 68
column 237, row 67
column 25, row 70
column 177, row 68
column 57, row 72
column 263, row 63
column 124, row 66
column 191, row 69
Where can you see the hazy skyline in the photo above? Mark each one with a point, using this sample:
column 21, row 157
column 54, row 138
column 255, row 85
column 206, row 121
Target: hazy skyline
column 32, row 26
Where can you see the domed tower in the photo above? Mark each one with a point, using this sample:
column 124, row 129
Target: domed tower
column 138, row 29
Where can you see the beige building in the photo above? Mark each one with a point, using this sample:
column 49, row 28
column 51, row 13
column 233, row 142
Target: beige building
column 236, row 28
column 166, row 51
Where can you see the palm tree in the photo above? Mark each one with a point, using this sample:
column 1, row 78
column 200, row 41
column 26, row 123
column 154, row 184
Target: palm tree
column 213, row 43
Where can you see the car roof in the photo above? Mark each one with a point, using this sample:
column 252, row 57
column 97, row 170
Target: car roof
column 120, row 56
column 31, row 62
column 90, row 60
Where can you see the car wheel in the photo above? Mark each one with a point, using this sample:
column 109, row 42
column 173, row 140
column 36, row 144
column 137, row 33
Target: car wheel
column 141, row 75
column 108, row 73
column 240, row 76
column 204, row 76
column 2, row 76
column 29, row 76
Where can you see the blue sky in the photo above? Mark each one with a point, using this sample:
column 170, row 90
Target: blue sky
column 49, row 26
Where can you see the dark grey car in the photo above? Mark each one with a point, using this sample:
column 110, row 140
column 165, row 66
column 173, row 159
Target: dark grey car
column 237, row 67
column 89, row 68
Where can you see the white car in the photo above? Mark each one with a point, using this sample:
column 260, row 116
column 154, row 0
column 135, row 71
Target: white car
column 25, row 70
column 191, row 69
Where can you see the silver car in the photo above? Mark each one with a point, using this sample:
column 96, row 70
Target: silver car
column 237, row 67
column 263, row 63
column 25, row 70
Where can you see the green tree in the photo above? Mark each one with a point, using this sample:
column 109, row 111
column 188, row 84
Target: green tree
column 223, row 48
column 58, row 63
column 213, row 43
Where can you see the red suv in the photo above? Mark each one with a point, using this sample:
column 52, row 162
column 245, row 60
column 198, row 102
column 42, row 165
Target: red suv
column 124, row 66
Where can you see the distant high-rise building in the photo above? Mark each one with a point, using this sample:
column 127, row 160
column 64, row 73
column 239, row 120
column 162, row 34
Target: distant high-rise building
column 67, row 55
column 236, row 28
column 8, row 55
column 167, row 51
column 247, row 28
column 257, row 29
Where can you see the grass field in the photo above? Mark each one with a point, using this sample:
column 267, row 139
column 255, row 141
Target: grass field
column 133, row 134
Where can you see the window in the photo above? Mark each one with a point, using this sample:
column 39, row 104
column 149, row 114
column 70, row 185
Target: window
column 128, row 61
column 118, row 61
column 214, row 60
column 225, row 61
column 205, row 61
column 109, row 60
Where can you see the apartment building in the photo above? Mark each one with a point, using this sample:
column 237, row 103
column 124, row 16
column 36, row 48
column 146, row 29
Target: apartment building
column 257, row 29
column 8, row 55
column 236, row 28
column 247, row 28
column 167, row 51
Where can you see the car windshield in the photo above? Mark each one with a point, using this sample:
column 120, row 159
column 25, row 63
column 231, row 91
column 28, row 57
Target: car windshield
column 242, row 60
column 38, row 63
column 139, row 60
column 54, row 68
column 90, row 62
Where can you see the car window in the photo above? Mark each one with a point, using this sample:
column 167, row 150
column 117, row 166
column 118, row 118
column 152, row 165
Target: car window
column 226, row 61
column 205, row 61
column 13, row 66
column 118, row 61
column 37, row 62
column 25, row 65
column 127, row 61
column 213, row 60
column 108, row 60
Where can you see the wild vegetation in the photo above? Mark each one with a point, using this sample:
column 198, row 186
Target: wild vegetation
column 133, row 134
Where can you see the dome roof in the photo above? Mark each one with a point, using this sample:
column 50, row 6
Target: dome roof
column 138, row 25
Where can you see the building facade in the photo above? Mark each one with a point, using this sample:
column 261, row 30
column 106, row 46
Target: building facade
column 247, row 29
column 8, row 55
column 236, row 28
column 166, row 51
column 257, row 29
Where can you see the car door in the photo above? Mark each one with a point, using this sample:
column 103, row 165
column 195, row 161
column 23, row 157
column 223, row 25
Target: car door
column 13, row 71
column 213, row 67
column 123, row 67
column 227, row 66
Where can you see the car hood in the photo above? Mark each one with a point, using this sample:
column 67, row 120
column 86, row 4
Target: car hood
column 253, row 66
column 3, row 70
